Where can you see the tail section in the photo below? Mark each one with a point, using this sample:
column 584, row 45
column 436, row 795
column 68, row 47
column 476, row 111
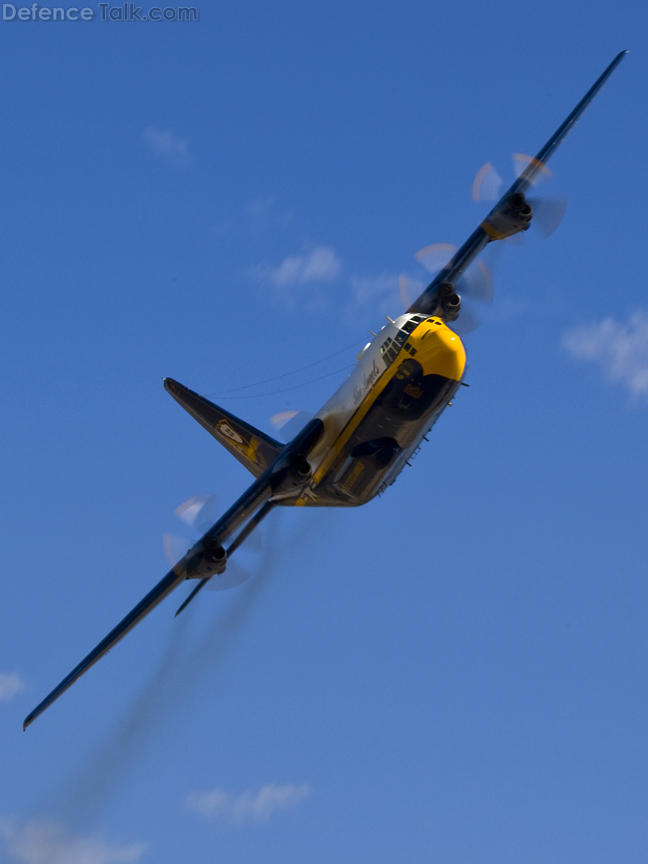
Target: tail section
column 252, row 448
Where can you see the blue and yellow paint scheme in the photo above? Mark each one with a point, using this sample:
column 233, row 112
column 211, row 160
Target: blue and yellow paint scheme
column 363, row 436
column 403, row 381
column 371, row 425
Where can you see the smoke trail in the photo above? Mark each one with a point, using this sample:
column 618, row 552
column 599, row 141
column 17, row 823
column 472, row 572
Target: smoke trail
column 86, row 792
column 175, row 676
column 83, row 796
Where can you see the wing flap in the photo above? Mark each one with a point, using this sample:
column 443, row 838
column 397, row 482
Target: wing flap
column 253, row 448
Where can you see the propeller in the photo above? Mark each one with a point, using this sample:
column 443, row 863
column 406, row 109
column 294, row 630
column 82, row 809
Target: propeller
column 409, row 289
column 475, row 286
column 199, row 513
column 288, row 423
column 547, row 212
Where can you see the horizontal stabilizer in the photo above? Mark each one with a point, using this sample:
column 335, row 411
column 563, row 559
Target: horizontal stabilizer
column 254, row 449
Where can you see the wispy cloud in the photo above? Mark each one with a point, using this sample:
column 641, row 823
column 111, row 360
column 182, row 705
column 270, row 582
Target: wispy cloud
column 167, row 145
column 262, row 214
column 373, row 289
column 397, row 290
column 258, row 214
column 321, row 264
column 258, row 217
column 234, row 811
column 385, row 294
column 621, row 350
column 10, row 685
column 48, row 842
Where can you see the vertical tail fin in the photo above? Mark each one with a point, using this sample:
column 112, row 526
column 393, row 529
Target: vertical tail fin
column 250, row 446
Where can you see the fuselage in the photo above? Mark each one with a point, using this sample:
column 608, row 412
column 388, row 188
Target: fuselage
column 375, row 421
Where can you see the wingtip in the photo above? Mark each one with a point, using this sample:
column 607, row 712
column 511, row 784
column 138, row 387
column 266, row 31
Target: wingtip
column 29, row 719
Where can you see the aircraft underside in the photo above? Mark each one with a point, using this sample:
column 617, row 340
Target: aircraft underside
column 392, row 429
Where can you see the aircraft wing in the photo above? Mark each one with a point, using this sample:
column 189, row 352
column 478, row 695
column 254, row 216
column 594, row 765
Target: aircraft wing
column 205, row 560
column 483, row 235
column 253, row 498
column 161, row 590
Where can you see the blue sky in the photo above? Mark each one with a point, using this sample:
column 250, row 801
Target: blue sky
column 454, row 673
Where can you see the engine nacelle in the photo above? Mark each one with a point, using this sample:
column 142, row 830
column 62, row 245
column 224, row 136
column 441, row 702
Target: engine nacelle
column 290, row 473
column 292, row 469
column 208, row 558
column 511, row 217
column 448, row 302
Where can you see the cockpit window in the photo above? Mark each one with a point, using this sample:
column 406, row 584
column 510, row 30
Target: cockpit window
column 406, row 329
column 390, row 348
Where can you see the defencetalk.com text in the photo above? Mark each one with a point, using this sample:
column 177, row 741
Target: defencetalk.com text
column 123, row 12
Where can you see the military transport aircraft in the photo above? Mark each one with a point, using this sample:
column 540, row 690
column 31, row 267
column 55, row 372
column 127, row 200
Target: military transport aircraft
column 359, row 442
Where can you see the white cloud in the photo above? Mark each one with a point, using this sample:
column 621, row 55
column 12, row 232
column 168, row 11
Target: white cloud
column 258, row 213
column 621, row 350
column 167, row 145
column 257, row 217
column 10, row 685
column 399, row 290
column 368, row 289
column 49, row 842
column 321, row 264
column 233, row 811
column 385, row 294
column 259, row 208
column 262, row 214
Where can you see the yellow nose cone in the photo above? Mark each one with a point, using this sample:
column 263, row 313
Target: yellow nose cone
column 440, row 351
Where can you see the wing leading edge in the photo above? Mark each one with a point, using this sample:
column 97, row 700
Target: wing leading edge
column 207, row 558
column 197, row 557
column 487, row 231
column 161, row 590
